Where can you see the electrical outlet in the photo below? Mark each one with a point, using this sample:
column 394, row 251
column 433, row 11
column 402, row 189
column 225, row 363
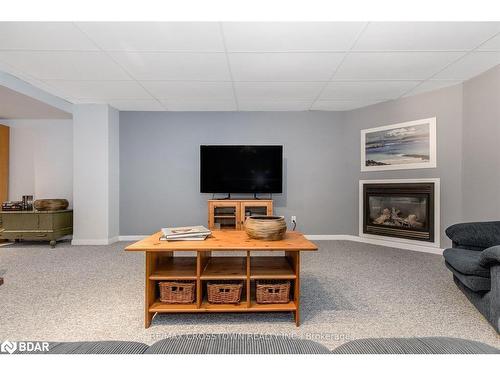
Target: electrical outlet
column 294, row 219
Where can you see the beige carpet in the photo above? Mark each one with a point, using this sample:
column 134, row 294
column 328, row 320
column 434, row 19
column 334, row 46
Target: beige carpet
column 350, row 290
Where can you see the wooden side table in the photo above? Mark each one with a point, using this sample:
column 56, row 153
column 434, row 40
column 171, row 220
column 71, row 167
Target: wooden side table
column 162, row 264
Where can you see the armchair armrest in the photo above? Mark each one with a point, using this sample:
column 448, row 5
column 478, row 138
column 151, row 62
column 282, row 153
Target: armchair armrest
column 475, row 236
column 490, row 256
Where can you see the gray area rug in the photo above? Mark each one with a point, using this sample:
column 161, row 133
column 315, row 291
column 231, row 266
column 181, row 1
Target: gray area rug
column 349, row 290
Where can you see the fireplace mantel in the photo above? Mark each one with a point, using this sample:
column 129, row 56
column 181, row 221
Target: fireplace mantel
column 377, row 232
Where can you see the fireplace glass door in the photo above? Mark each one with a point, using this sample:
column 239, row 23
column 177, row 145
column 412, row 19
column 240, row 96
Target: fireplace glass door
column 398, row 212
column 402, row 210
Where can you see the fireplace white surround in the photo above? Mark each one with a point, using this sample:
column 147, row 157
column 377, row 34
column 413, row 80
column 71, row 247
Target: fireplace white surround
column 399, row 241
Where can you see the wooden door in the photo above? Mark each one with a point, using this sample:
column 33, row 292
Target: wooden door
column 4, row 163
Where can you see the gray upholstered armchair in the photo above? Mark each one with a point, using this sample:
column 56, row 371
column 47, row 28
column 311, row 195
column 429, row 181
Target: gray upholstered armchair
column 475, row 263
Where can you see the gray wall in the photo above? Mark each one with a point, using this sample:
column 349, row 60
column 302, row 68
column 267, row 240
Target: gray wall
column 159, row 162
column 481, row 145
column 159, row 154
column 446, row 106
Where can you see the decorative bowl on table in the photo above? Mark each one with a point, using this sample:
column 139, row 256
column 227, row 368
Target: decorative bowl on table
column 51, row 204
column 268, row 228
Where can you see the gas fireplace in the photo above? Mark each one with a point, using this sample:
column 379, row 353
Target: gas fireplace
column 402, row 210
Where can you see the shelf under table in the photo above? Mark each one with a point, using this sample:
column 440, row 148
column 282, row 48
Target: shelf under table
column 270, row 267
column 225, row 268
column 175, row 268
column 159, row 307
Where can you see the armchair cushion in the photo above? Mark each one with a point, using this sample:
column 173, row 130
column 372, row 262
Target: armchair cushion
column 466, row 262
column 490, row 256
column 475, row 236
column 477, row 284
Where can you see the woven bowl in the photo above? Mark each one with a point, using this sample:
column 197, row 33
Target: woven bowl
column 269, row 228
column 51, row 204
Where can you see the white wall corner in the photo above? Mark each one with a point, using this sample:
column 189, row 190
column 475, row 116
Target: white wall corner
column 96, row 174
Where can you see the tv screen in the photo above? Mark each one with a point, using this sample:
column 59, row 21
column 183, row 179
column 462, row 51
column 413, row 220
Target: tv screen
column 241, row 169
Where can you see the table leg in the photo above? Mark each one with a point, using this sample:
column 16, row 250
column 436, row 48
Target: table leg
column 248, row 282
column 296, row 290
column 149, row 296
column 294, row 260
column 202, row 260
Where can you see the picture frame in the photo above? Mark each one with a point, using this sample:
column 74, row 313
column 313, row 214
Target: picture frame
column 407, row 145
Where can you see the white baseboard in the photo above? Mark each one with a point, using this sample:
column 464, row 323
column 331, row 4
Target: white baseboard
column 329, row 237
column 398, row 245
column 338, row 237
column 95, row 242
column 132, row 238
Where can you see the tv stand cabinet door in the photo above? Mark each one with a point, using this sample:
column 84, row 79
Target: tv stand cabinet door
column 227, row 213
column 255, row 207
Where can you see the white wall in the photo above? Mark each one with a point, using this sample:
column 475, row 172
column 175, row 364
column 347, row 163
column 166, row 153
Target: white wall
column 41, row 158
column 114, row 173
column 96, row 174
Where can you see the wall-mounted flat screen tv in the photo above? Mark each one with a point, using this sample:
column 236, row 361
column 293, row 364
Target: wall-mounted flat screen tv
column 241, row 169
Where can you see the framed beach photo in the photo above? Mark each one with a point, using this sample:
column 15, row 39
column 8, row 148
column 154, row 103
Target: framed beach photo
column 409, row 145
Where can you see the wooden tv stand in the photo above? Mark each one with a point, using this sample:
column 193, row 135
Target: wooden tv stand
column 162, row 264
column 231, row 213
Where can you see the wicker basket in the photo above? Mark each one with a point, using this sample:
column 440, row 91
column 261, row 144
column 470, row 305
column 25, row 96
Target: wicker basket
column 227, row 292
column 269, row 228
column 273, row 291
column 177, row 291
column 51, row 204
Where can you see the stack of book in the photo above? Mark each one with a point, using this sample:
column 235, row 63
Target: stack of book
column 196, row 233
column 12, row 206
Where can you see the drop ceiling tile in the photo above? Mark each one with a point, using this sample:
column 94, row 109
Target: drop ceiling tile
column 102, row 90
column 430, row 36
column 155, row 36
column 187, row 105
column 136, row 105
column 278, row 90
column 174, row 66
column 32, row 81
column 64, row 65
column 284, row 66
column 189, row 89
column 394, row 65
column 367, row 90
column 274, row 105
column 471, row 65
column 491, row 45
column 342, row 105
column 52, row 36
column 290, row 36
column 431, row 86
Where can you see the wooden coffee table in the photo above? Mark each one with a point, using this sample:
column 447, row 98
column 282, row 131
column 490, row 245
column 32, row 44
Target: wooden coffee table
column 162, row 264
